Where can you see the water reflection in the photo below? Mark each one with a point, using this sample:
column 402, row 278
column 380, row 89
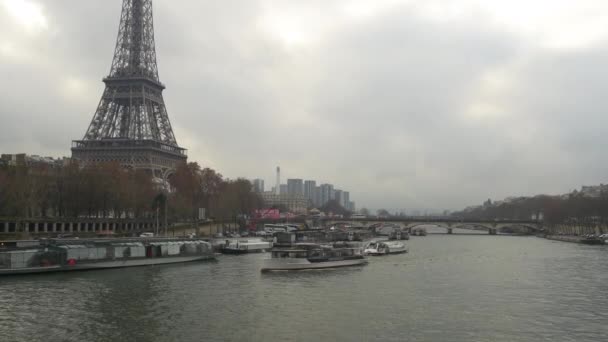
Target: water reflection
column 448, row 288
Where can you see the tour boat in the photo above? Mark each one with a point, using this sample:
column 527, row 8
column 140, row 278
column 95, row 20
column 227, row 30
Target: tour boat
column 310, row 256
column 376, row 248
column 93, row 254
column 245, row 246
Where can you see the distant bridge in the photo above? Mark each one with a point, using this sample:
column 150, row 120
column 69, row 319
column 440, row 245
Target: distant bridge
column 493, row 227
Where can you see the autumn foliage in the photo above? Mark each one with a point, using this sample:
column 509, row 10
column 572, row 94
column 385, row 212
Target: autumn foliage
column 574, row 207
column 108, row 190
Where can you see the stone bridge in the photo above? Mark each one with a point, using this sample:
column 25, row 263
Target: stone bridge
column 493, row 227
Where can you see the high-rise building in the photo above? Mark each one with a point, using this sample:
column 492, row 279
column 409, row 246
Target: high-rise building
column 338, row 197
column 309, row 190
column 327, row 193
column 283, row 189
column 258, row 185
column 295, row 204
column 295, row 187
column 346, row 199
column 277, row 185
column 317, row 197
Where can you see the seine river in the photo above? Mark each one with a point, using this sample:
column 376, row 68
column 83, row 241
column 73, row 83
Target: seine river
column 448, row 288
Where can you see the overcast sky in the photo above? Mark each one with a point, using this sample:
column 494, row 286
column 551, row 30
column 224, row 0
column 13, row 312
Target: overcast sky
column 406, row 103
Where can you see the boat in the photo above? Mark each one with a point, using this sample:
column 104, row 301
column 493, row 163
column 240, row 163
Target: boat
column 418, row 232
column 387, row 229
column 376, row 248
column 245, row 246
column 593, row 240
column 59, row 255
column 279, row 228
column 311, row 256
column 400, row 234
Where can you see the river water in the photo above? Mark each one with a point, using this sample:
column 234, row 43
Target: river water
column 448, row 288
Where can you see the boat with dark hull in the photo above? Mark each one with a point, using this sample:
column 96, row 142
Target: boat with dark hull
column 310, row 256
column 95, row 254
column 593, row 240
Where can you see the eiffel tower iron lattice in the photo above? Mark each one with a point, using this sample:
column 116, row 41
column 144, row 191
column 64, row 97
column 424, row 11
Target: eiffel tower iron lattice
column 131, row 124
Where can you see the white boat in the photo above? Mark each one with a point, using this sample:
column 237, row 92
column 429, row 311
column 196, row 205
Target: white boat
column 240, row 246
column 304, row 256
column 376, row 248
column 279, row 228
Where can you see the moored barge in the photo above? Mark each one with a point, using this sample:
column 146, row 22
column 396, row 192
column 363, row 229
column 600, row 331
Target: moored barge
column 244, row 246
column 79, row 254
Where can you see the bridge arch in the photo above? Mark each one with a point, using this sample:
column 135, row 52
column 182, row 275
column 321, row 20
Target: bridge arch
column 528, row 228
column 418, row 224
column 467, row 225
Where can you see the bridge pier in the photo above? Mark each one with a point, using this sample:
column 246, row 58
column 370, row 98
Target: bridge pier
column 493, row 231
column 449, row 230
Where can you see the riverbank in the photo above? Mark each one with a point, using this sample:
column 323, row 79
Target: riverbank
column 576, row 239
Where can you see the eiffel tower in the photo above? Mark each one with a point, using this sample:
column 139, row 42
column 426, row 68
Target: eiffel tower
column 131, row 125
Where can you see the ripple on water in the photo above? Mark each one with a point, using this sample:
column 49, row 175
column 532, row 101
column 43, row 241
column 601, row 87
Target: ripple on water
column 448, row 288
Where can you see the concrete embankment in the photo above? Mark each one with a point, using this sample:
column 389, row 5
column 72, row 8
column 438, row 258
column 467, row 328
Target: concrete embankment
column 577, row 239
column 565, row 238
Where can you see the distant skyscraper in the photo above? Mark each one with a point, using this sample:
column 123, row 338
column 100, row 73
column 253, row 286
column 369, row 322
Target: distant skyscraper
column 309, row 190
column 258, row 185
column 317, row 197
column 295, row 187
column 327, row 192
column 277, row 187
column 346, row 199
column 283, row 189
column 338, row 197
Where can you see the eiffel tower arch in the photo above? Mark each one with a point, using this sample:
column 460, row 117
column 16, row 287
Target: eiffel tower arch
column 131, row 125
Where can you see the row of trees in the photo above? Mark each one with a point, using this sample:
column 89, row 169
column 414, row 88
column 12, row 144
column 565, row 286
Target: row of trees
column 108, row 190
column 204, row 188
column 71, row 191
column 575, row 207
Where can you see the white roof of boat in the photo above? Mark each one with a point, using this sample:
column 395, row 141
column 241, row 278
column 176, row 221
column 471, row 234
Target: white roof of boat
column 393, row 243
column 20, row 251
column 74, row 246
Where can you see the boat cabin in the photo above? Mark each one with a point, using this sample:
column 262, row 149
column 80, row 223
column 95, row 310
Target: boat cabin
column 315, row 252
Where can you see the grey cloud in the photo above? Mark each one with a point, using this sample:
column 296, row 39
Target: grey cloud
column 376, row 106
